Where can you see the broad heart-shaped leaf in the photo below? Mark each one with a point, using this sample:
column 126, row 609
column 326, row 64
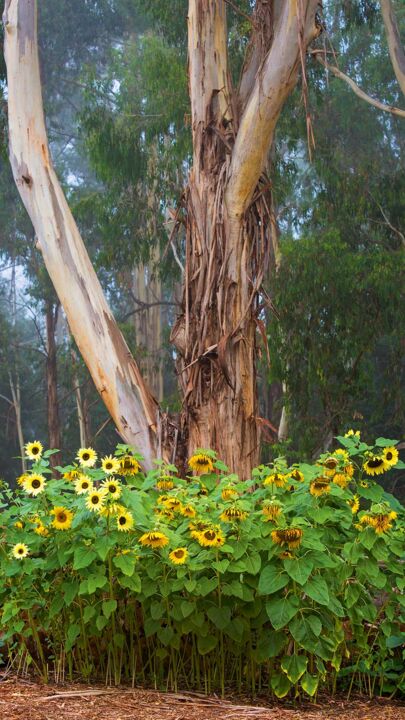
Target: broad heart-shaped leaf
column 294, row 666
column 299, row 569
column 384, row 442
column 247, row 563
column 83, row 557
column 309, row 684
column 126, row 563
column 95, row 581
column 281, row 610
column 317, row 589
column 109, row 606
column 280, row 684
column 219, row 616
column 206, row 643
column 272, row 579
column 269, row 644
column 305, row 630
column 132, row 582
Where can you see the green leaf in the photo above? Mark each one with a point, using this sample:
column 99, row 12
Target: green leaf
column 102, row 546
column 317, row 589
column 206, row 585
column 88, row 613
column 206, row 644
column 309, row 684
column 109, row 606
column 384, row 442
column 70, row 591
column 269, row 645
column 83, row 557
column 71, row 635
column 56, row 605
column 280, row 684
column 294, row 666
column 125, row 563
column 187, row 608
column 352, row 594
column 281, row 610
column 101, row 622
column 132, row 582
column 272, row 579
column 165, row 635
column 219, row 616
column 299, row 569
column 95, row 582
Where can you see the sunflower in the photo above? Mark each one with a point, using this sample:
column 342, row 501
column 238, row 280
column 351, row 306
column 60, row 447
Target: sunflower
column 125, row 521
column 33, row 450
column 201, row 463
column 110, row 464
column 210, row 537
column 203, row 491
column 297, row 475
column 83, row 484
column 62, row 518
column 349, row 470
column 129, row 465
column 375, row 465
column 20, row 551
column 354, row 504
column 341, row 479
column 164, row 513
column 18, row 525
column 21, row 478
column 154, row 539
column 289, row 536
column 178, row 556
column 342, row 455
column 95, row 500
column 233, row 514
column 391, row 456
column 162, row 499
column 112, row 488
column 173, row 503
column 364, row 484
column 319, row 486
column 229, row 493
column 112, row 509
column 380, row 522
column 72, row 475
column 87, row 457
column 277, row 479
column 286, row 555
column 196, row 528
column 165, row 482
column 330, row 465
column 271, row 511
column 353, row 433
column 34, row 484
column 188, row 511
column 41, row 530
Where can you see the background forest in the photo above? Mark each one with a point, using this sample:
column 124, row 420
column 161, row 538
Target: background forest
column 114, row 77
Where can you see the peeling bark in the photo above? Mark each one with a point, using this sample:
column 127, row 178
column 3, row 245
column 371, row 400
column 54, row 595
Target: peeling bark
column 113, row 369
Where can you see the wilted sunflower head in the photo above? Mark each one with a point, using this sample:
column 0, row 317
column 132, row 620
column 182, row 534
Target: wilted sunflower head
column 201, row 463
column 341, row 479
column 354, row 504
column 297, row 475
column 278, row 479
column 33, row 450
column 129, row 465
column 188, row 511
column 154, row 539
column 233, row 514
column 291, row 537
column 229, row 493
column 319, row 486
column 272, row 510
column 165, row 482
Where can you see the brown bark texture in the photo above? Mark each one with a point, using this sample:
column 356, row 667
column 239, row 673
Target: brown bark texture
column 54, row 437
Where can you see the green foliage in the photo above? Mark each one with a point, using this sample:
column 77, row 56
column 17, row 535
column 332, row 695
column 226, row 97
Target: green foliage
column 208, row 581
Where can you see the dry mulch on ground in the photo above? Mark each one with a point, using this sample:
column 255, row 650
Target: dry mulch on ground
column 26, row 700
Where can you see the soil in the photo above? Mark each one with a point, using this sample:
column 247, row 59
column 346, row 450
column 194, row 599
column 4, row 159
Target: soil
column 27, row 700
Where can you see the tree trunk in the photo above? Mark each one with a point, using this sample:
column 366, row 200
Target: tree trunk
column 16, row 396
column 397, row 53
column 51, row 316
column 81, row 410
column 104, row 350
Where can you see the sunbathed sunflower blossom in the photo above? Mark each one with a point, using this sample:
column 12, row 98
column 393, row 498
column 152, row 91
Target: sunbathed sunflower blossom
column 34, row 450
column 87, row 457
column 62, row 518
column 178, row 556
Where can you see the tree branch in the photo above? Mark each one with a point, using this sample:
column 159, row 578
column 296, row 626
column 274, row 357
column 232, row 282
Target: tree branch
column 274, row 82
column 318, row 54
column 395, row 48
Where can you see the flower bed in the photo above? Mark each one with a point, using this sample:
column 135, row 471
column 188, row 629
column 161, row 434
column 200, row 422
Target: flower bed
column 290, row 581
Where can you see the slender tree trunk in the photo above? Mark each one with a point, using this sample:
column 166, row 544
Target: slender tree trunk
column 16, row 396
column 81, row 415
column 54, row 439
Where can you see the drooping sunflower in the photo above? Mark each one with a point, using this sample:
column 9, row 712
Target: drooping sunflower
column 277, row 479
column 375, row 465
column 154, row 539
column 72, row 475
column 380, row 522
column 341, row 479
column 354, row 504
column 201, row 463
column 229, row 493
column 297, row 475
column 173, row 503
column 62, row 518
column 210, row 537
column 233, row 514
column 83, row 485
column 34, row 484
column 18, row 525
column 20, row 551
column 95, row 500
column 319, row 486
column 165, row 482
column 291, row 537
column 87, row 457
column 164, row 513
column 125, row 521
column 330, row 465
column 196, row 528
column 21, row 478
column 110, row 464
column 129, row 465
column 342, row 455
column 41, row 529
column 272, row 511
column 162, row 499
column 178, row 556
column 349, row 470
column 391, row 456
column 34, row 450
column 112, row 488
column 353, row 433
column 188, row 511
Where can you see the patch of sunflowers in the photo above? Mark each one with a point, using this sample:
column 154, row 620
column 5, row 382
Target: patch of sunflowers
column 207, row 579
